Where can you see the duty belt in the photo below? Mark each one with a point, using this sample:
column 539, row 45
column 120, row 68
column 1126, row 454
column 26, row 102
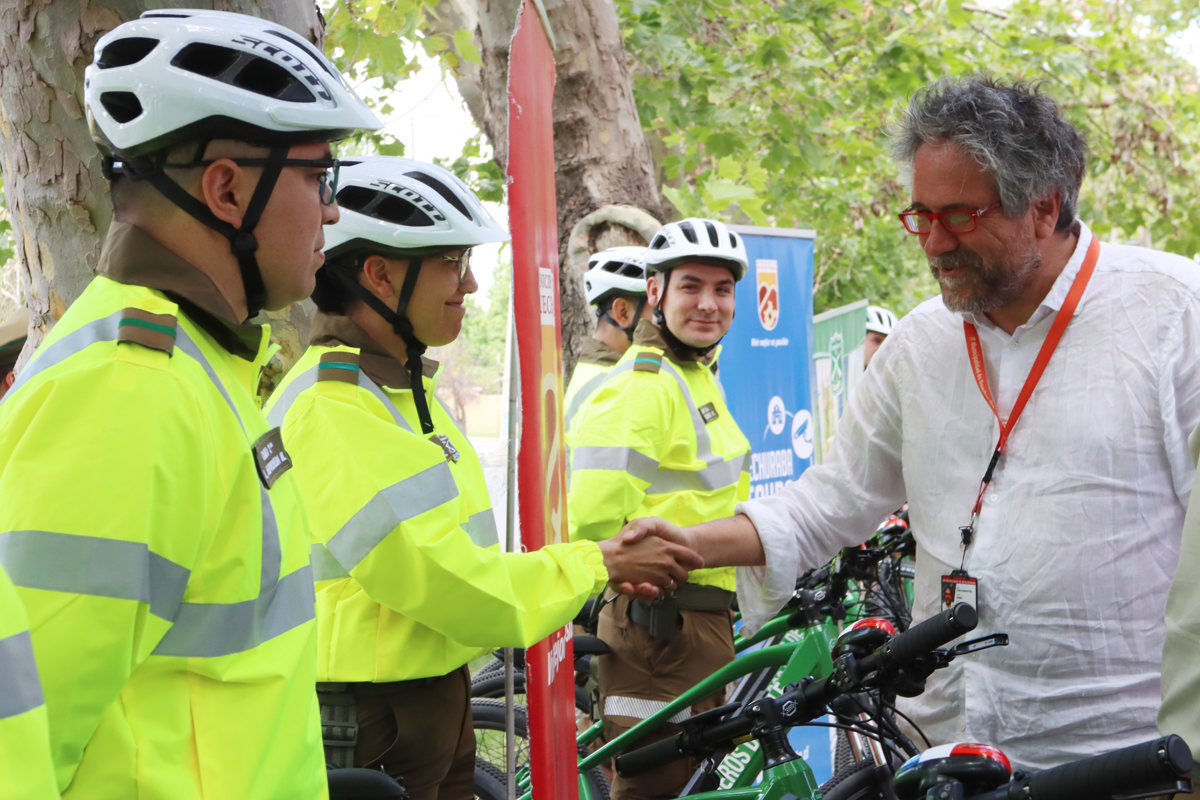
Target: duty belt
column 339, row 723
column 661, row 616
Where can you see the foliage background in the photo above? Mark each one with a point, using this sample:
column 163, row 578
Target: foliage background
column 775, row 112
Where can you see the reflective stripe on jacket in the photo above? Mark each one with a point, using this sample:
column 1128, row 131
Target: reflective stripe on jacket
column 26, row 771
column 656, row 439
column 169, row 593
column 585, row 380
column 402, row 590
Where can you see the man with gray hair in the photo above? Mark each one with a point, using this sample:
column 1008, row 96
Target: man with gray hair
column 1035, row 416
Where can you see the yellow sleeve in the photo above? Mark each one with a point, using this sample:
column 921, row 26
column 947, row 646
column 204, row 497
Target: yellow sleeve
column 25, row 767
column 384, row 503
column 1181, row 651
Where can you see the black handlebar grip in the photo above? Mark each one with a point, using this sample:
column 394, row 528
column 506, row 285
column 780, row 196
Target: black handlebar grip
column 932, row 633
column 1145, row 767
column 652, row 756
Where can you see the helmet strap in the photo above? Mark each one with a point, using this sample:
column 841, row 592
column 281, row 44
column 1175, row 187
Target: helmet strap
column 637, row 316
column 670, row 338
column 402, row 326
column 242, row 242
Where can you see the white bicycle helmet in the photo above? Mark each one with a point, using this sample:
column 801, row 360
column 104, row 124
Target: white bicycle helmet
column 397, row 205
column 617, row 269
column 175, row 75
column 695, row 239
column 880, row 320
column 399, row 208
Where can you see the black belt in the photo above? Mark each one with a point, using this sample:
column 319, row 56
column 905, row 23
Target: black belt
column 661, row 616
column 370, row 689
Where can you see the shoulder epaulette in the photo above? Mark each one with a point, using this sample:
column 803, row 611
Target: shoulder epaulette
column 338, row 365
column 647, row 361
column 156, row 331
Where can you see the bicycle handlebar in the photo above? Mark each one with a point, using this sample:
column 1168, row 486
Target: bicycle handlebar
column 650, row 756
column 1137, row 769
column 932, row 633
column 806, row 702
column 357, row 783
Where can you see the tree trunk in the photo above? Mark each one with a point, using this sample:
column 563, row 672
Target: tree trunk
column 56, row 196
column 601, row 155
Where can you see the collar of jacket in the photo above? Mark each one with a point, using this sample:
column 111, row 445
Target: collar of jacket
column 132, row 256
column 647, row 334
column 332, row 330
column 595, row 351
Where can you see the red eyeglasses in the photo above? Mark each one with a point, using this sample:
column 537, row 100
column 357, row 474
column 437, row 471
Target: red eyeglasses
column 955, row 221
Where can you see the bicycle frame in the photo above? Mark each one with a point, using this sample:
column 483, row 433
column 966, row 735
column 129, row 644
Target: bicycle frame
column 808, row 656
column 804, row 651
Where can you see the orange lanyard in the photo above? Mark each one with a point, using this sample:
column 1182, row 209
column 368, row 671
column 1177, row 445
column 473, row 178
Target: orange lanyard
column 975, row 353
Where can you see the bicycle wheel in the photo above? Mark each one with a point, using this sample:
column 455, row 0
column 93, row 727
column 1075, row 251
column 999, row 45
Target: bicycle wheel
column 490, row 781
column 491, row 684
column 862, row 780
column 487, row 670
column 487, row 715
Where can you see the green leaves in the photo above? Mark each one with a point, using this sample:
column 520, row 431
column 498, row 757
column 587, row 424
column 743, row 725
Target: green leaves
column 775, row 112
column 375, row 43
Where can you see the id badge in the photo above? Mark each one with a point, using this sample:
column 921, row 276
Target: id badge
column 960, row 587
column 271, row 459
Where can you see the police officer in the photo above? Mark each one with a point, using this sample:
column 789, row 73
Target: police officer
column 615, row 286
column 657, row 439
column 409, row 584
column 147, row 517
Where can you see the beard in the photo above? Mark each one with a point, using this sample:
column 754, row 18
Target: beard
column 979, row 288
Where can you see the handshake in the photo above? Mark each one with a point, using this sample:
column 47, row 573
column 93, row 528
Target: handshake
column 648, row 557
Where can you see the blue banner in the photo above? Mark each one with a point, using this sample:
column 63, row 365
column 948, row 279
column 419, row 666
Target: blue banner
column 766, row 369
column 766, row 359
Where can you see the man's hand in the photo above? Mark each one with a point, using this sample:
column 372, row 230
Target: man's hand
column 647, row 565
column 729, row 542
column 643, row 527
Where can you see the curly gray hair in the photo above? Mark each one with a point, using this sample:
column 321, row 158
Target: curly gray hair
column 1013, row 131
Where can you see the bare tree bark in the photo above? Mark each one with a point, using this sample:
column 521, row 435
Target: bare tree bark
column 600, row 152
column 56, row 196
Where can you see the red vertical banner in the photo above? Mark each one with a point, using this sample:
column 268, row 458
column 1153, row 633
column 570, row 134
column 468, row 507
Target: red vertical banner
column 541, row 465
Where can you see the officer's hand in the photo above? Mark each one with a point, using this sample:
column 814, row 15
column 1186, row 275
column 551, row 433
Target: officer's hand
column 647, row 565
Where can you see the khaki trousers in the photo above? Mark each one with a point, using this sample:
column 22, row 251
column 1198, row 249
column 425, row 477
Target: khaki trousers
column 642, row 668
column 419, row 731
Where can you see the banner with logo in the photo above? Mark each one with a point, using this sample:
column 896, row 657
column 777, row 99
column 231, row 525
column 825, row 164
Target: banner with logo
column 765, row 369
column 766, row 358
column 838, row 338
column 541, row 465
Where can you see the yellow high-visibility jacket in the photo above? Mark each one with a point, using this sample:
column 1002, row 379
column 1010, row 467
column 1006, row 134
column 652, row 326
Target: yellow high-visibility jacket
column 169, row 591
column 596, row 360
column 406, row 585
column 26, row 771
column 656, row 440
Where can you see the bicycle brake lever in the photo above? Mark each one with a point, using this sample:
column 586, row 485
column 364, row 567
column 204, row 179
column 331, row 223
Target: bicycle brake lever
column 975, row 645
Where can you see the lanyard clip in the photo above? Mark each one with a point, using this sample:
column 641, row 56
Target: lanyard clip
column 968, row 533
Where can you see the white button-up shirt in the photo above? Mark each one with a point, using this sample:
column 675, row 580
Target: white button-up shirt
column 1078, row 537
